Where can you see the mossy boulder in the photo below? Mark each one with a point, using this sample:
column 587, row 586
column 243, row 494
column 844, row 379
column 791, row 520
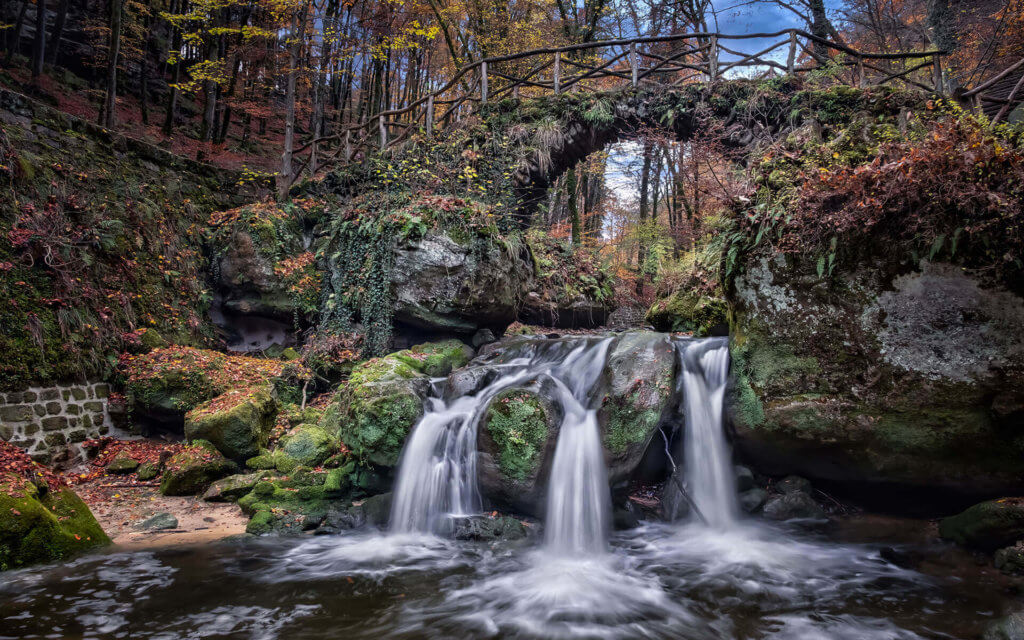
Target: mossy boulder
column 42, row 525
column 640, row 373
column 122, row 464
column 987, row 525
column 287, row 505
column 308, row 445
column 884, row 374
column 232, row 488
column 175, row 380
column 190, row 471
column 237, row 422
column 383, row 399
column 516, row 443
column 701, row 315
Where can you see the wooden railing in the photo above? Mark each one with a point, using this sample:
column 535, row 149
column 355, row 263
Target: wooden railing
column 671, row 61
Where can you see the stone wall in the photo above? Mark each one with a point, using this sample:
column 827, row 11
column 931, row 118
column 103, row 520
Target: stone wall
column 49, row 422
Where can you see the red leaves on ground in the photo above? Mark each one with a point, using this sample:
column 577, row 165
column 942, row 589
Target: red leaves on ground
column 14, row 460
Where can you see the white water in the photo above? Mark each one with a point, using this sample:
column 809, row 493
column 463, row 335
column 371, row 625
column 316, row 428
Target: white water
column 704, row 369
column 437, row 479
column 579, row 502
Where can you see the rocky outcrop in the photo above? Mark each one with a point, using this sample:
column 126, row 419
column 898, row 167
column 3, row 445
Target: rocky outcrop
column 516, row 443
column 442, row 285
column 641, row 382
column 39, row 524
column 881, row 374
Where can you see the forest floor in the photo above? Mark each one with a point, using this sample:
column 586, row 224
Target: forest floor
column 119, row 508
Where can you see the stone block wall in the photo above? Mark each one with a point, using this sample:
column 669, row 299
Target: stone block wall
column 49, row 422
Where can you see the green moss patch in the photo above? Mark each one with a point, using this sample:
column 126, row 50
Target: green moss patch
column 517, row 422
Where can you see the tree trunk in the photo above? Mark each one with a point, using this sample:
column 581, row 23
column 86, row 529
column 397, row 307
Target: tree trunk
column 113, row 50
column 58, row 30
column 819, row 26
column 14, row 39
column 297, row 33
column 39, row 44
column 172, row 99
column 645, row 183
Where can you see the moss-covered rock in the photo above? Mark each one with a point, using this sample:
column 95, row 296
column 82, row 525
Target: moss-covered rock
column 882, row 374
column 190, row 471
column 122, row 463
column 986, row 525
column 237, row 422
column 287, row 505
column 42, row 525
column 701, row 315
column 148, row 471
column 308, row 445
column 178, row 379
column 436, row 359
column 382, row 400
column 516, row 441
column 233, row 487
column 640, row 371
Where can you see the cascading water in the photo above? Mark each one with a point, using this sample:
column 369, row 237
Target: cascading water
column 704, row 369
column 578, row 497
column 437, row 480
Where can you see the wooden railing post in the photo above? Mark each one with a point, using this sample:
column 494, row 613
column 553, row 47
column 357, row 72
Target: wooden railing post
column 862, row 81
column 713, row 60
column 558, row 72
column 633, row 64
column 383, row 133
column 483, row 82
column 937, row 72
column 430, row 115
column 791, row 61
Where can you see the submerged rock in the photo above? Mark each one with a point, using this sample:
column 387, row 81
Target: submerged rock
column 640, row 371
column 516, row 441
column 752, row 500
column 238, row 422
column 193, row 469
column 42, row 525
column 793, row 506
column 987, row 525
column 489, row 529
column 1010, row 559
column 1010, row 627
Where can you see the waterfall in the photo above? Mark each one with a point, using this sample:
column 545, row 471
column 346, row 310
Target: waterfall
column 579, row 501
column 437, row 476
column 704, row 368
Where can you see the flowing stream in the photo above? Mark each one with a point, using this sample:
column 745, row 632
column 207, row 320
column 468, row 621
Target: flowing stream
column 728, row 577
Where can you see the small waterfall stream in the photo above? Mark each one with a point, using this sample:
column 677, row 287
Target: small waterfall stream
column 704, row 369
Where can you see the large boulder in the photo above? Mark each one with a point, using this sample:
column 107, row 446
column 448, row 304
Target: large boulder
column 640, row 372
column 383, row 399
column 516, row 443
column 883, row 374
column 987, row 525
column 308, row 445
column 238, row 422
column 442, row 285
column 38, row 524
column 190, row 471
